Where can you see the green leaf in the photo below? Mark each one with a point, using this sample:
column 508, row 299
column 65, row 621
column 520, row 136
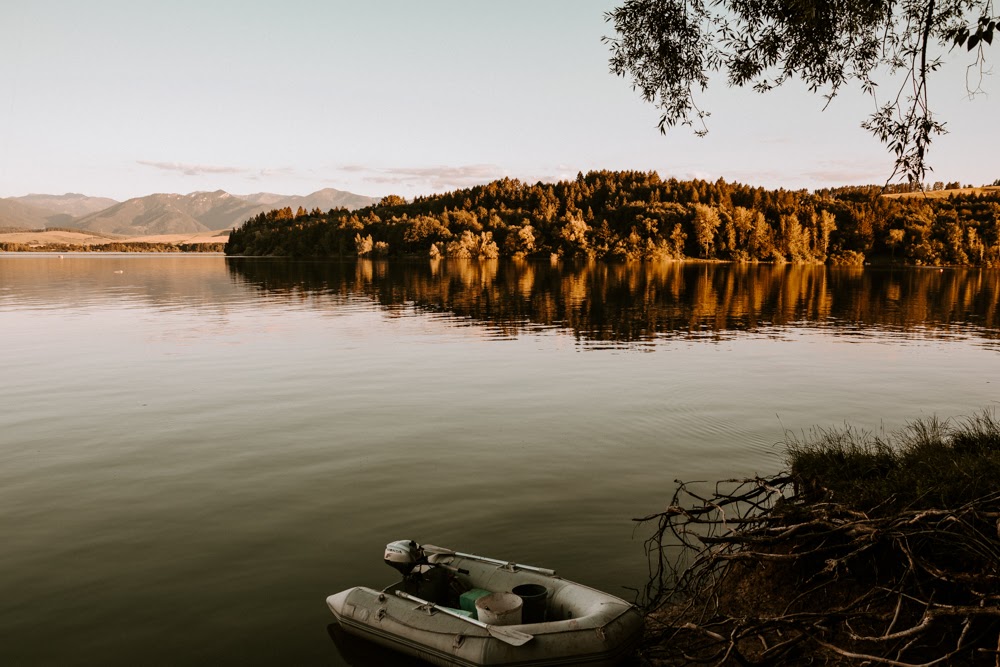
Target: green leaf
column 973, row 40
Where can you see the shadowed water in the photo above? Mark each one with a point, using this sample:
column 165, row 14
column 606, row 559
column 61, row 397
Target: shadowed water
column 195, row 451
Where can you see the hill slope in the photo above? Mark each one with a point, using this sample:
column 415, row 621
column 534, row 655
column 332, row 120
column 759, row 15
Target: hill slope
column 161, row 213
column 204, row 211
column 71, row 204
column 14, row 213
column 324, row 200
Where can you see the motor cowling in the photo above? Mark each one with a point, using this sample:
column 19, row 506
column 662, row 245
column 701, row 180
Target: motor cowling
column 403, row 555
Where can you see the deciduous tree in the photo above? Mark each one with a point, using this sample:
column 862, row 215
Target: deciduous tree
column 670, row 47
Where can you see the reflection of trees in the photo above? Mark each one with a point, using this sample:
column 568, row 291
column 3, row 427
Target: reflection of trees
column 639, row 301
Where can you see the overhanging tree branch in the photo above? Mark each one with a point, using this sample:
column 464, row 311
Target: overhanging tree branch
column 669, row 47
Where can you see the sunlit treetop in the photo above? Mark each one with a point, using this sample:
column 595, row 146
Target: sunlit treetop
column 670, row 47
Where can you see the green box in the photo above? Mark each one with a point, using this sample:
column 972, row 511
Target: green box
column 468, row 600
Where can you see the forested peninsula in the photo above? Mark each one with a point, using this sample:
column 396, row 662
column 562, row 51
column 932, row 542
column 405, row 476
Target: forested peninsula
column 631, row 215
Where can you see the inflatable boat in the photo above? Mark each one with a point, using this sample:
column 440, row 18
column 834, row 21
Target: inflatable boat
column 454, row 608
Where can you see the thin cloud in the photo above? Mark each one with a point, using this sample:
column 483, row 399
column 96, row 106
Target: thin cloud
column 268, row 174
column 189, row 169
column 821, row 174
column 442, row 178
column 846, row 173
column 827, row 173
column 437, row 177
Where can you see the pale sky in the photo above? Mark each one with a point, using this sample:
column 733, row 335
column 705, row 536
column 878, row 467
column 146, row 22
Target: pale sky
column 126, row 98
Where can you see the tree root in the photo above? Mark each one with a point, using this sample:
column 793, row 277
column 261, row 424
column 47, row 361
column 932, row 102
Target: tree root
column 758, row 572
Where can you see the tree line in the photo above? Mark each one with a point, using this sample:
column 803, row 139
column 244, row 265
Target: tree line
column 631, row 215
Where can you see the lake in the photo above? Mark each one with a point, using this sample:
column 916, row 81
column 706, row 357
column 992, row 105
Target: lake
column 196, row 450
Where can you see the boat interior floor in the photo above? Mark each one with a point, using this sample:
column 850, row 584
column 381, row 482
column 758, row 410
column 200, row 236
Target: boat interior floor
column 434, row 585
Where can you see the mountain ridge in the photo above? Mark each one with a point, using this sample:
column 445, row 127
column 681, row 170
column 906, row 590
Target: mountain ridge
column 72, row 204
column 161, row 213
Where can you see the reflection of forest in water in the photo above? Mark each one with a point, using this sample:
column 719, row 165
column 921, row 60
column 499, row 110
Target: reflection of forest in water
column 640, row 301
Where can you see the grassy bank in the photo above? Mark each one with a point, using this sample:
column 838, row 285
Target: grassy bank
column 868, row 549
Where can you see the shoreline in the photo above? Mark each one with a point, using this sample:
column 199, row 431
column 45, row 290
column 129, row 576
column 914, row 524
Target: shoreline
column 71, row 241
column 864, row 549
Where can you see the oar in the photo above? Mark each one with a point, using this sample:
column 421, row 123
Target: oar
column 431, row 549
column 508, row 635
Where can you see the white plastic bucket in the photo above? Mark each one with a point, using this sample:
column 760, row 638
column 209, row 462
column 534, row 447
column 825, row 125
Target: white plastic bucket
column 499, row 609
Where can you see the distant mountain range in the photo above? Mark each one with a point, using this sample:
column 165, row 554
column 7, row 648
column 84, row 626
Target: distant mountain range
column 161, row 213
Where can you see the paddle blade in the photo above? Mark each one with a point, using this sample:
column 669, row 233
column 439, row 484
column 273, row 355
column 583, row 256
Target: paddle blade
column 509, row 636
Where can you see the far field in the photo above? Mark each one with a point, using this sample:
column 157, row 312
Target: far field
column 56, row 237
column 939, row 194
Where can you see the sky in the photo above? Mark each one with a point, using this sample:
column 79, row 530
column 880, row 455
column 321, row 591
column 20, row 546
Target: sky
column 126, row 98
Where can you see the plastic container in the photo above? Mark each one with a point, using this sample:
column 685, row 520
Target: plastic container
column 467, row 601
column 499, row 609
column 534, row 596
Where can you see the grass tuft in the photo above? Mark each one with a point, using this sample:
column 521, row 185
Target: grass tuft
column 928, row 463
column 870, row 549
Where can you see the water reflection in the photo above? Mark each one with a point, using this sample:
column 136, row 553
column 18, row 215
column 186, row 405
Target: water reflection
column 636, row 303
column 360, row 653
column 231, row 432
column 36, row 281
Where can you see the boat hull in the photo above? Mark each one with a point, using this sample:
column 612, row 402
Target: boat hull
column 584, row 626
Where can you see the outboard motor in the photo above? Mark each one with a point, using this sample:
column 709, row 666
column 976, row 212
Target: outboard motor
column 420, row 578
column 404, row 555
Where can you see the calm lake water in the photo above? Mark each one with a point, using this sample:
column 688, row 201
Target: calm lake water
column 196, row 451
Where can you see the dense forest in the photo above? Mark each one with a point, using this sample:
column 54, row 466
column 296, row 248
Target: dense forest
column 637, row 215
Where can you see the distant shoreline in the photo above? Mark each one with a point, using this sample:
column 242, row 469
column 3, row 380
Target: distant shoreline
column 71, row 241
